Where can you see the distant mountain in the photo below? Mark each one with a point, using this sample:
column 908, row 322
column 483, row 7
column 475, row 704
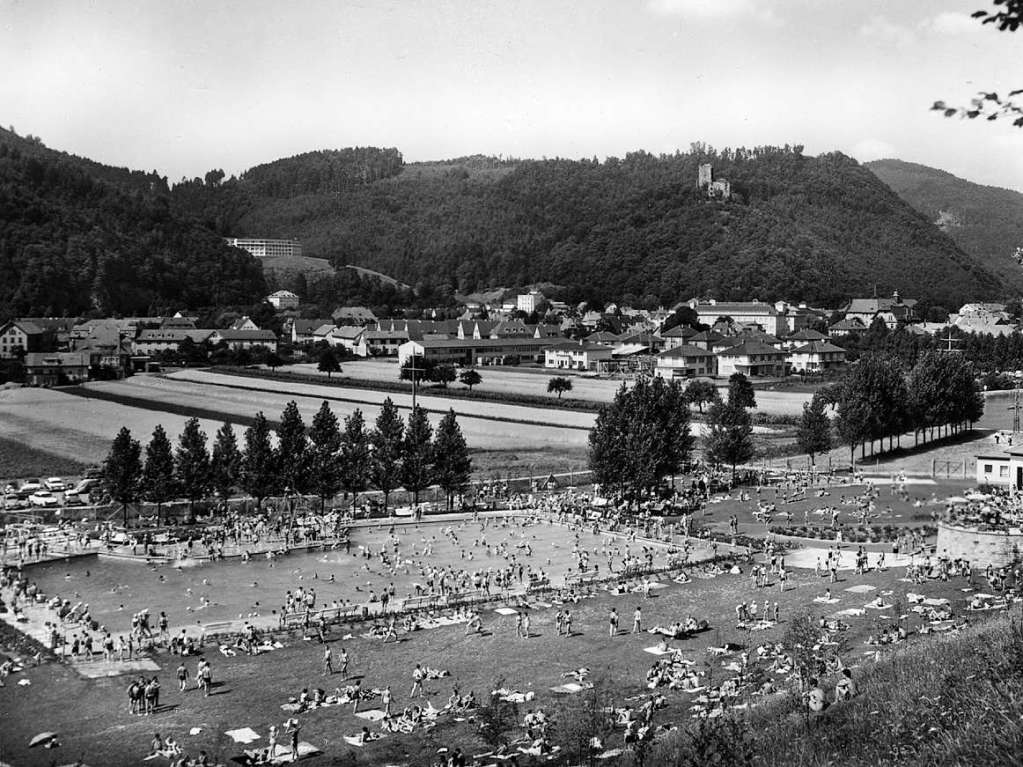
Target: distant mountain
column 636, row 229
column 985, row 221
column 79, row 237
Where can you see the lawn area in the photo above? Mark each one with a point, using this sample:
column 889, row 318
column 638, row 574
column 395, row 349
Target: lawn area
column 251, row 689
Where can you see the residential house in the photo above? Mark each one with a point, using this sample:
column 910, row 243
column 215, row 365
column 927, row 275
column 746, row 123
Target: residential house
column 245, row 339
column 751, row 358
column 384, row 343
column 764, row 316
column 56, row 368
column 302, row 330
column 1001, row 468
column 892, row 311
column 19, row 337
column 685, row 361
column 816, row 357
column 677, row 336
column 177, row 322
column 59, row 327
column 603, row 337
column 846, row 326
column 577, row 355
column 151, row 341
column 283, row 300
column 353, row 315
column 708, row 340
column 244, row 323
column 801, row 338
column 350, row 337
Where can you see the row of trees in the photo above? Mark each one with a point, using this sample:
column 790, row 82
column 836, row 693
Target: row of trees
column 878, row 400
column 324, row 460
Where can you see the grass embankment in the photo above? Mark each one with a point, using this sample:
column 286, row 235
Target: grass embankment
column 426, row 390
column 20, row 460
column 955, row 700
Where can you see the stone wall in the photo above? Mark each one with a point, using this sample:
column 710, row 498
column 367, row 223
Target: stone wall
column 980, row 547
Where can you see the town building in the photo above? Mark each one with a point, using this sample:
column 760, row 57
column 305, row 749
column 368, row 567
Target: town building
column 577, row 355
column 56, row 368
column 473, row 352
column 301, row 331
column 283, row 300
column 816, row 357
column 892, row 311
column 245, row 339
column 717, row 190
column 764, row 316
column 266, row 248
column 153, row 340
column 527, row 302
column 677, row 336
column 751, row 358
column 19, row 337
column 685, row 361
column 353, row 315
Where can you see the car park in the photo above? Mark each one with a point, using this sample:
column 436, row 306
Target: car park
column 54, row 484
column 43, row 499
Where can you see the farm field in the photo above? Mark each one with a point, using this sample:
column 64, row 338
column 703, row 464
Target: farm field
column 533, row 381
column 80, row 429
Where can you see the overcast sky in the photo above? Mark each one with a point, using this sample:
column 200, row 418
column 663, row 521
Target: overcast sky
column 184, row 86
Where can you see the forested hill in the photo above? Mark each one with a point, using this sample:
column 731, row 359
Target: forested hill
column 78, row 237
column 819, row 229
column 985, row 221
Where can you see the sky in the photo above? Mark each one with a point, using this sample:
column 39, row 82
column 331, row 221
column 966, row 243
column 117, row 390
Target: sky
column 183, row 86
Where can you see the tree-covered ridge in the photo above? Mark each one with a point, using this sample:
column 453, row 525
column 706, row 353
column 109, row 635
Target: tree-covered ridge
column 985, row 221
column 810, row 228
column 324, row 172
column 73, row 242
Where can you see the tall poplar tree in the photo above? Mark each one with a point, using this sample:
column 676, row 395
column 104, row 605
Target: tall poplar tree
column 192, row 463
column 452, row 466
column 386, row 442
column 356, row 457
column 258, row 474
column 122, row 470
column 158, row 483
column 226, row 462
column 417, row 454
column 324, row 455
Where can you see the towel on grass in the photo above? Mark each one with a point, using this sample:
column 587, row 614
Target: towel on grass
column 243, row 735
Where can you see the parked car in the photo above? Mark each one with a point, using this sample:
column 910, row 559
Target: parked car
column 84, row 486
column 94, row 472
column 54, row 484
column 43, row 498
column 11, row 488
column 29, row 486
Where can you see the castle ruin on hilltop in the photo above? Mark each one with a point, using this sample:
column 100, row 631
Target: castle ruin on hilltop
column 716, row 190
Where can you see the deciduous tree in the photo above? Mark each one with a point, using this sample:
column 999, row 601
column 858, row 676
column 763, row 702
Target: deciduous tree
column 470, row 378
column 328, row 362
column 740, row 391
column 701, row 392
column 559, row 385
column 813, row 434
column 729, row 439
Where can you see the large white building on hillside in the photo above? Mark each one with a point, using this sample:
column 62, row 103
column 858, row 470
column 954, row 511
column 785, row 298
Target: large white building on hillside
column 264, row 248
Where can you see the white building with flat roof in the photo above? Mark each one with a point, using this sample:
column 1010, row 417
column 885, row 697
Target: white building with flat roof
column 265, row 248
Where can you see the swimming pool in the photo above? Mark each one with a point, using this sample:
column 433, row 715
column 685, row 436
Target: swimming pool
column 227, row 590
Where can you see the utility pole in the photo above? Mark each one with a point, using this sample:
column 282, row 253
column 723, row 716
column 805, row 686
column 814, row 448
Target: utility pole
column 415, row 378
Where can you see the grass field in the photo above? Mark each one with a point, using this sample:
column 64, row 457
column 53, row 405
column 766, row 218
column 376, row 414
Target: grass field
column 20, row 460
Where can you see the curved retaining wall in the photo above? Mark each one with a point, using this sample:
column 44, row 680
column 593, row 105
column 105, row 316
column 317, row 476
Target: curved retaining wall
column 980, row 547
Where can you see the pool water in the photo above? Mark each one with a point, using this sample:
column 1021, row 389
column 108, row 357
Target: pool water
column 228, row 590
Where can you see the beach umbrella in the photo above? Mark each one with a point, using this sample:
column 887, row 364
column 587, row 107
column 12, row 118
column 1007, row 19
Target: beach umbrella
column 43, row 738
